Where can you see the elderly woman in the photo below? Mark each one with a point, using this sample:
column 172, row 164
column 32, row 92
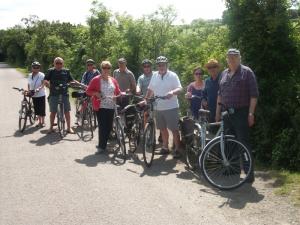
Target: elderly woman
column 104, row 89
column 35, row 83
column 196, row 88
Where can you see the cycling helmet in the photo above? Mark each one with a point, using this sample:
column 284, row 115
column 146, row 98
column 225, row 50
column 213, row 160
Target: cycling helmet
column 35, row 63
column 146, row 61
column 90, row 61
column 161, row 59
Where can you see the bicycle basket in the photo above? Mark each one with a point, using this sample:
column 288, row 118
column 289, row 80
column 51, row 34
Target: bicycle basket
column 187, row 127
column 76, row 94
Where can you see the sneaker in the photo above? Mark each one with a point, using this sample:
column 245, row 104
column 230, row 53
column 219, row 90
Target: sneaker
column 99, row 150
column 176, row 154
column 250, row 179
column 164, row 151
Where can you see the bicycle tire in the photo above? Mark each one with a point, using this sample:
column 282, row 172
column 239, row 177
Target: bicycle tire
column 226, row 177
column 85, row 125
column 193, row 149
column 61, row 120
column 22, row 118
column 31, row 114
column 133, row 138
column 121, row 149
column 149, row 144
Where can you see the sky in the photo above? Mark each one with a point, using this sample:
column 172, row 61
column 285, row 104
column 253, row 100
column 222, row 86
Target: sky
column 76, row 11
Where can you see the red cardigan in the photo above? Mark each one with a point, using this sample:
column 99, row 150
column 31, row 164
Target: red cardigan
column 95, row 86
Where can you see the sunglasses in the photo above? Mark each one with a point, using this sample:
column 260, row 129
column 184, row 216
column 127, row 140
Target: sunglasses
column 146, row 66
column 58, row 63
column 90, row 64
column 106, row 68
column 211, row 67
column 198, row 73
column 35, row 67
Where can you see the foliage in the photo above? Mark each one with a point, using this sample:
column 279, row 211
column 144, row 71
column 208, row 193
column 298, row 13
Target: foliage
column 264, row 34
column 267, row 33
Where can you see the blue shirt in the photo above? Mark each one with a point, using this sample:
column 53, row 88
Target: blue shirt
column 211, row 94
column 88, row 76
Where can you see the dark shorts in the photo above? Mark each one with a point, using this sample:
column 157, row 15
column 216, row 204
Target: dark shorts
column 39, row 105
column 53, row 102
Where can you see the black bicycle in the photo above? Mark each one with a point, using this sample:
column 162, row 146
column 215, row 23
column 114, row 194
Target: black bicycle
column 150, row 131
column 85, row 115
column 26, row 111
column 61, row 122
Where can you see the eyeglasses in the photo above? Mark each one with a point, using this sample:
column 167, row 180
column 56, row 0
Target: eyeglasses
column 35, row 67
column 90, row 64
column 212, row 67
column 147, row 66
column 197, row 73
column 106, row 68
column 58, row 63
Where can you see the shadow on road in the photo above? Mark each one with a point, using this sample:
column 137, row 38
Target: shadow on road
column 51, row 139
column 27, row 131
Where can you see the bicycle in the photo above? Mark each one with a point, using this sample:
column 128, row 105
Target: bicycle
column 84, row 114
column 27, row 110
column 194, row 133
column 225, row 162
column 132, row 118
column 118, row 130
column 61, row 122
column 149, row 134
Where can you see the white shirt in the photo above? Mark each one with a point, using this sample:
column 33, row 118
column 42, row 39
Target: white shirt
column 161, row 85
column 107, row 89
column 36, row 82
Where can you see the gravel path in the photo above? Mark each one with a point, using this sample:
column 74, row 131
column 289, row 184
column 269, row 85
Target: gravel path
column 45, row 180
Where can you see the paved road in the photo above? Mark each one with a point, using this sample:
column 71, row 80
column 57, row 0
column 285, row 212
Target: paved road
column 45, row 180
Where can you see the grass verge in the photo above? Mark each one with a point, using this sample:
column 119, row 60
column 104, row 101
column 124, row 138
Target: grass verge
column 286, row 183
column 289, row 185
column 24, row 71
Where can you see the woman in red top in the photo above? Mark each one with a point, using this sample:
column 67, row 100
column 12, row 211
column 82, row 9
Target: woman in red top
column 104, row 89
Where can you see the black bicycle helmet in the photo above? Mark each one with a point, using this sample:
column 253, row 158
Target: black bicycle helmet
column 146, row 61
column 35, row 63
column 91, row 61
column 161, row 59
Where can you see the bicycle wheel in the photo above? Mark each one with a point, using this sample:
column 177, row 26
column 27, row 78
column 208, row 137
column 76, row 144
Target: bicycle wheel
column 149, row 143
column 121, row 149
column 22, row 117
column 85, row 125
column 133, row 137
column 61, row 120
column 224, row 175
column 31, row 114
column 193, row 149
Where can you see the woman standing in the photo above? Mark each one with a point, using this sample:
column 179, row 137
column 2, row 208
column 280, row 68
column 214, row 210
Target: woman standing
column 104, row 89
column 35, row 83
column 196, row 88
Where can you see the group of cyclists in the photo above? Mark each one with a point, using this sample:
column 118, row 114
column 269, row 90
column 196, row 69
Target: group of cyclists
column 235, row 88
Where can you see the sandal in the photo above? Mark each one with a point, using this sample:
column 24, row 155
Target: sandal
column 70, row 131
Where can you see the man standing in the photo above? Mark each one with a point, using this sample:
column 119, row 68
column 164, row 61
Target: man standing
column 54, row 77
column 212, row 87
column 238, row 92
column 144, row 80
column 126, row 81
column 166, row 83
column 90, row 72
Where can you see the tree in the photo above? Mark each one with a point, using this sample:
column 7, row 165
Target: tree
column 262, row 31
